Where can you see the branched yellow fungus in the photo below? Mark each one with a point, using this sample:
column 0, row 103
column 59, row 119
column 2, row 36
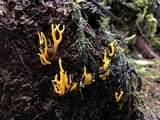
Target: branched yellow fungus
column 41, row 41
column 111, row 45
column 72, row 84
column 43, row 53
column 45, row 58
column 106, row 61
column 62, row 85
column 118, row 98
column 87, row 77
column 59, row 88
column 104, row 76
column 54, row 37
column 60, row 65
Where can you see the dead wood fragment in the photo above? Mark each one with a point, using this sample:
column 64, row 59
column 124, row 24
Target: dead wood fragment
column 145, row 49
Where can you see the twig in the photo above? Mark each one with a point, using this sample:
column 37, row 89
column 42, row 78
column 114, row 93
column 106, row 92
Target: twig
column 39, row 115
column 108, row 12
column 140, row 30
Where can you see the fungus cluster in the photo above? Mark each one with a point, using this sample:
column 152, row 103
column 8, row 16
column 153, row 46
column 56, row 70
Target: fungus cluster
column 48, row 52
column 65, row 83
column 106, row 60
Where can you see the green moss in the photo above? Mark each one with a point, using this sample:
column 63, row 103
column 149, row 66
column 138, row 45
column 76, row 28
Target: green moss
column 155, row 43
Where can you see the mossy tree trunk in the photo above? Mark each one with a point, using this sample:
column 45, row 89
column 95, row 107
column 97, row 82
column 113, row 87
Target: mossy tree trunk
column 26, row 90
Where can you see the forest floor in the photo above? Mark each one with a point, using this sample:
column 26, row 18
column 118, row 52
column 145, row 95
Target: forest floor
column 150, row 73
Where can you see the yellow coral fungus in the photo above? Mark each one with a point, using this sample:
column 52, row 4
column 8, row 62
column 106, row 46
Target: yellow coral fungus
column 43, row 53
column 59, row 88
column 118, row 98
column 60, row 65
column 55, row 40
column 62, row 85
column 87, row 77
column 45, row 57
column 106, row 61
column 103, row 76
column 111, row 45
column 72, row 84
